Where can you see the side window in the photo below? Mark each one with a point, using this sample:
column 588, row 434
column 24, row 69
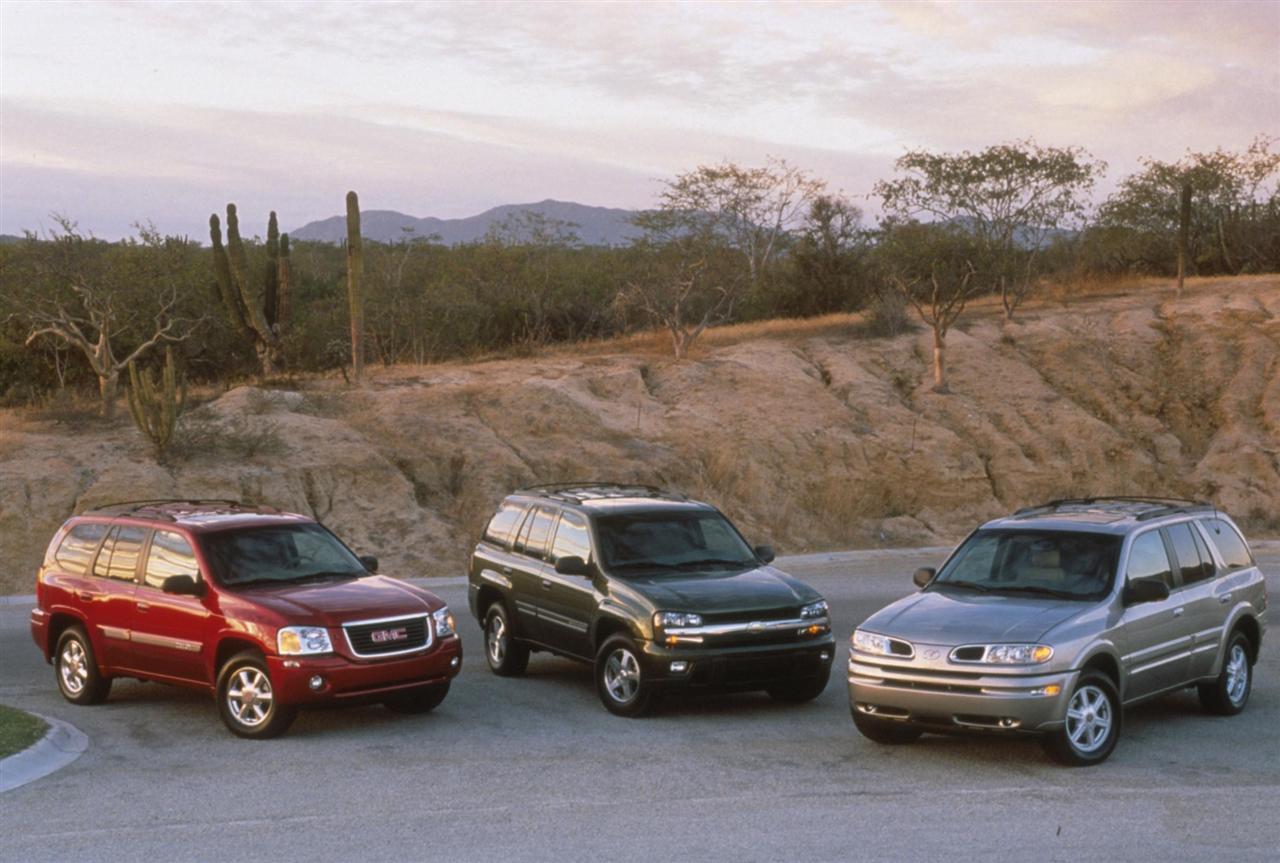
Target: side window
column 536, row 532
column 78, row 546
column 1235, row 554
column 125, row 552
column 572, row 538
column 1184, row 547
column 104, row 556
column 170, row 554
column 503, row 522
column 1210, row 569
column 1148, row 559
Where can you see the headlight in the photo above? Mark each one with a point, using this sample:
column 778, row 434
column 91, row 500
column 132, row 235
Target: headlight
column 303, row 640
column 815, row 609
column 676, row 619
column 1018, row 654
column 870, row 642
column 444, row 622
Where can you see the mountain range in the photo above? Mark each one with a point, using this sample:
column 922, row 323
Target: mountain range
column 594, row 226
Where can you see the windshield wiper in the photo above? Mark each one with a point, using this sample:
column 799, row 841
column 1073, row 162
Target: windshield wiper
column 320, row 576
column 712, row 561
column 968, row 585
column 1041, row 591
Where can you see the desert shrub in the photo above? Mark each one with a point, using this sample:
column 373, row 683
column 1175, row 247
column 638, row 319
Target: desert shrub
column 886, row 316
column 200, row 434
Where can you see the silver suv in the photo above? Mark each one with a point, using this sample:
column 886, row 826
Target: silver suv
column 1056, row 618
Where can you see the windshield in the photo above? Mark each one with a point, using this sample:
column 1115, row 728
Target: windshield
column 1045, row 562
column 295, row 552
column 674, row 541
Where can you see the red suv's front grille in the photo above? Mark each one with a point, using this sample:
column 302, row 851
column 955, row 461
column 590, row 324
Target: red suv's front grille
column 388, row 636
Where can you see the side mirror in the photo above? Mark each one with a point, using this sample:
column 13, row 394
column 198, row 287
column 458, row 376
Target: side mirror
column 182, row 585
column 370, row 562
column 572, row 565
column 765, row 553
column 1145, row 590
column 923, row 576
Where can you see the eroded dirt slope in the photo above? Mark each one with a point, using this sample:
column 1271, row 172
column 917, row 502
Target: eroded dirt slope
column 807, row 434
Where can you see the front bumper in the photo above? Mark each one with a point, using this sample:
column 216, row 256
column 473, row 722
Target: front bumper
column 973, row 702
column 738, row 668
column 347, row 680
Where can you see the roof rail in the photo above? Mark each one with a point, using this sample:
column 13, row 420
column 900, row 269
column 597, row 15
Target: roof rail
column 596, row 489
column 126, row 507
column 1160, row 506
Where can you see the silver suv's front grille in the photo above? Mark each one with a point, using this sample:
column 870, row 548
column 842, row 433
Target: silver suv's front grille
column 388, row 636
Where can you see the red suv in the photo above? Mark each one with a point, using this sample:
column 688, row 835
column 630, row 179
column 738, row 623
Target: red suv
column 267, row 610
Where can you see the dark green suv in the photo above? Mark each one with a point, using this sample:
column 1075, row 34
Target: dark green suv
column 657, row 591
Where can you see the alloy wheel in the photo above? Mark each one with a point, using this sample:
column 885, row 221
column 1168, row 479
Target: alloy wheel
column 622, row 675
column 496, row 640
column 249, row 697
column 73, row 665
column 1237, row 674
column 1089, row 719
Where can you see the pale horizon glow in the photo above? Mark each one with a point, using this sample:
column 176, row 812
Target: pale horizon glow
column 116, row 113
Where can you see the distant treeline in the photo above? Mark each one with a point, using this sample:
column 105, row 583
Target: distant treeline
column 726, row 243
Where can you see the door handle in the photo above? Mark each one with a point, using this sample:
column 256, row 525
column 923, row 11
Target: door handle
column 506, row 570
column 144, row 606
column 86, row 596
column 1225, row 598
column 1177, row 612
column 546, row 585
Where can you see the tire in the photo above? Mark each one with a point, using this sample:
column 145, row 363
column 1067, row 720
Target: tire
column 800, row 691
column 507, row 657
column 76, row 669
column 621, row 683
column 1091, row 728
column 244, row 686
column 885, row 733
column 421, row 700
column 1229, row 694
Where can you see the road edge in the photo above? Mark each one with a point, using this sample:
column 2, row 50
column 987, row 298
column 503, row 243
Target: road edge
column 62, row 744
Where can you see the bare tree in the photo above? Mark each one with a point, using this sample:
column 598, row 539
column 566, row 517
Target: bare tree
column 93, row 316
column 681, row 297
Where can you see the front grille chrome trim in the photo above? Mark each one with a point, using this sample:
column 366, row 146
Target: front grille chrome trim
column 405, row 618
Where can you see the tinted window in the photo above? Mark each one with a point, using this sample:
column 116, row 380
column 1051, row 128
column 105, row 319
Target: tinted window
column 296, row 552
column 1148, row 559
column 1184, row 548
column 78, row 546
column 1235, row 554
column 1208, row 567
column 1051, row 562
column 170, row 554
column 124, row 553
column 703, row 540
column 533, row 539
column 572, row 538
column 503, row 522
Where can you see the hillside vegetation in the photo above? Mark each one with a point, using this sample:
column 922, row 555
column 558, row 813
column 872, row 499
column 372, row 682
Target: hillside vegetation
column 809, row 434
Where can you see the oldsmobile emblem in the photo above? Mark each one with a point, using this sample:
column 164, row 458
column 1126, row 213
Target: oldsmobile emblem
column 382, row 636
column 932, row 654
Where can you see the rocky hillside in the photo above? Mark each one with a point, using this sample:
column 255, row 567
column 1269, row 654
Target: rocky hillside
column 809, row 434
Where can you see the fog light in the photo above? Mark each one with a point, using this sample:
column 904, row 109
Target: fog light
column 453, row 663
column 825, row 656
column 679, row 667
column 316, row 682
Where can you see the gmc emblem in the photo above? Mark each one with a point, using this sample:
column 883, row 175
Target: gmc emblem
column 382, row 636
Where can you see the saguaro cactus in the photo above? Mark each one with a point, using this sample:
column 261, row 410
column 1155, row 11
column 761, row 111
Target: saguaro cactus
column 263, row 319
column 355, row 291
column 155, row 403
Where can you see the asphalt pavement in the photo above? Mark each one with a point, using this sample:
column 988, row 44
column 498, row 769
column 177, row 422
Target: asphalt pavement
column 535, row 769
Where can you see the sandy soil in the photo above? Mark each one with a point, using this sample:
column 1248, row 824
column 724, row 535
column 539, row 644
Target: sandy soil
column 808, row 434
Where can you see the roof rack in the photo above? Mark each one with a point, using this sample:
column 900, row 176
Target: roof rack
column 1160, row 506
column 576, row 492
column 129, row 507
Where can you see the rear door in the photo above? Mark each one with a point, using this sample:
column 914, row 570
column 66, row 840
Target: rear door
column 1156, row 634
column 169, row 630
column 568, row 601
column 1199, row 595
column 110, row 609
column 529, row 568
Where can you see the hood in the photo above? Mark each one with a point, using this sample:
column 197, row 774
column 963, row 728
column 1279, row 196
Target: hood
column 955, row 618
column 718, row 591
column 334, row 603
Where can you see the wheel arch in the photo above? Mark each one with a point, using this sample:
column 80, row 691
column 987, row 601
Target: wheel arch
column 229, row 646
column 1107, row 664
column 608, row 626
column 1247, row 625
column 59, row 622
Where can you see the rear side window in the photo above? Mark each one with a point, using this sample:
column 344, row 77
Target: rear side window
column 170, row 554
column 533, row 539
column 1235, row 554
column 119, row 557
column 503, row 522
column 572, row 538
column 78, row 546
column 1190, row 564
column 1148, row 559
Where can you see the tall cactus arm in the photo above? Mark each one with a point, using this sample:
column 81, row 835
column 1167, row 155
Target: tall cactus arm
column 284, row 274
column 271, row 273
column 226, row 288
column 240, row 276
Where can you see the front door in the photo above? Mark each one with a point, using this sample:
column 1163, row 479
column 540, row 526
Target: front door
column 1156, row 636
column 568, row 601
column 169, row 630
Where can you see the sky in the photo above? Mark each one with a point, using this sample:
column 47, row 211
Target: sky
column 116, row 113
